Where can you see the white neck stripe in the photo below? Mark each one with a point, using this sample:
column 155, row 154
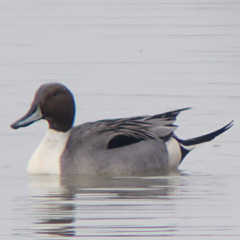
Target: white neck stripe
column 46, row 158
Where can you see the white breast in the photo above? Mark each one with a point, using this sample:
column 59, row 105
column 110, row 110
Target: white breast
column 46, row 158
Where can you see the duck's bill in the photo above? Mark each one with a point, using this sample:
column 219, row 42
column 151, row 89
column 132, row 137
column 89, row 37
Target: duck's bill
column 34, row 114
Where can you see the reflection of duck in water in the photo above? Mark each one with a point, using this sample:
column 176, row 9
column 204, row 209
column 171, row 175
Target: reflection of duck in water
column 61, row 206
column 120, row 146
column 52, row 206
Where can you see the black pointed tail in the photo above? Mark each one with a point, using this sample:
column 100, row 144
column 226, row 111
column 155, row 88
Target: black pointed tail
column 190, row 144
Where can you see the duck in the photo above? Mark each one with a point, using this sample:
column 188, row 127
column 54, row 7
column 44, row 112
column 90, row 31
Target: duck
column 123, row 146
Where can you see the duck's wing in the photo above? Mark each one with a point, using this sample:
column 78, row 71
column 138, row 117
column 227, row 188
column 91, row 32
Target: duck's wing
column 126, row 131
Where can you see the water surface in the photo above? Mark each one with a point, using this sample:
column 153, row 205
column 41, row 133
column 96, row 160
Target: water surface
column 123, row 58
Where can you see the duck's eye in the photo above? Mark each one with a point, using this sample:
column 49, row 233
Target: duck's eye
column 55, row 94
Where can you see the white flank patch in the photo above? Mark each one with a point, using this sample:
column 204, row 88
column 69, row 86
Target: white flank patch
column 191, row 147
column 46, row 158
column 174, row 153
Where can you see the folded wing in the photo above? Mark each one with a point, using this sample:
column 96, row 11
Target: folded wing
column 126, row 131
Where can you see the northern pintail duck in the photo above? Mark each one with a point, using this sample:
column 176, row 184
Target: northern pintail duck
column 130, row 146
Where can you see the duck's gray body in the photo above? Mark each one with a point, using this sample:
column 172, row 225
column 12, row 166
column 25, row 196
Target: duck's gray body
column 88, row 151
column 125, row 146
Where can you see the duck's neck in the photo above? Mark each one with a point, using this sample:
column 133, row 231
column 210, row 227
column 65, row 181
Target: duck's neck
column 46, row 158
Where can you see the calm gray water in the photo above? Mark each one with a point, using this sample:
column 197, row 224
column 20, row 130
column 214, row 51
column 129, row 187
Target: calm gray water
column 123, row 58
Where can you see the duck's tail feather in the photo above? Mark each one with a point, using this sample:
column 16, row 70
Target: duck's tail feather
column 189, row 144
